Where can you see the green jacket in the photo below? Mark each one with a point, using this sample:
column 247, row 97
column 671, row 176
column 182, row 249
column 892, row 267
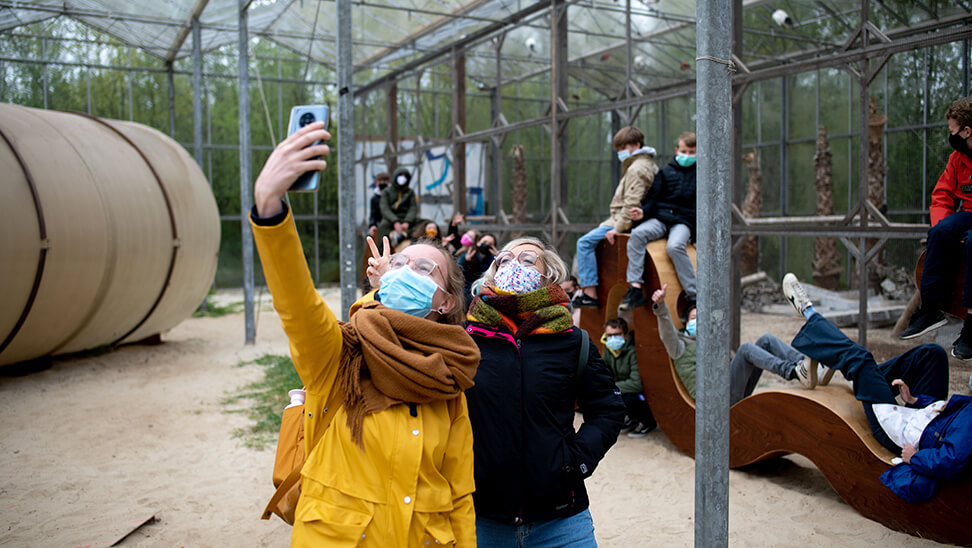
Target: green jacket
column 399, row 205
column 624, row 366
column 681, row 348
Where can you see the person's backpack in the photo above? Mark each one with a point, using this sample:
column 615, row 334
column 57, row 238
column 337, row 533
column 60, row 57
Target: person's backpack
column 290, row 457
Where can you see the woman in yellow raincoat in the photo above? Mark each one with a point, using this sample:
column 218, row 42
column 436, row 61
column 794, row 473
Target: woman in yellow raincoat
column 395, row 467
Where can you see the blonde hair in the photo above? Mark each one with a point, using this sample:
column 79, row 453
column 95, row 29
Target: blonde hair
column 556, row 268
column 455, row 283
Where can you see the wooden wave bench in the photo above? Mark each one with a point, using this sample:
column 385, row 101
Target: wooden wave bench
column 826, row 425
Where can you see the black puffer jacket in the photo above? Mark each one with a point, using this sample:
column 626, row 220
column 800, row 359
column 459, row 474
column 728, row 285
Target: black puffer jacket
column 671, row 199
column 530, row 463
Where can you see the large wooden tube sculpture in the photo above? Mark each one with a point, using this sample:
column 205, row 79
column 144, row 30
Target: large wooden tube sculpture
column 826, row 425
column 109, row 233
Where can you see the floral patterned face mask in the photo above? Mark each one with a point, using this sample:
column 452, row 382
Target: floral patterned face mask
column 513, row 277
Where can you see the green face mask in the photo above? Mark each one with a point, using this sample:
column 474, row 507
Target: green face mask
column 685, row 160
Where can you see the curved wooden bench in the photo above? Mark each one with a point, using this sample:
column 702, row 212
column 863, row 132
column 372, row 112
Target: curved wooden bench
column 826, row 425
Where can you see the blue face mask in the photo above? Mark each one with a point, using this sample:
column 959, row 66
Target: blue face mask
column 407, row 291
column 690, row 327
column 623, row 155
column 685, row 160
column 614, row 342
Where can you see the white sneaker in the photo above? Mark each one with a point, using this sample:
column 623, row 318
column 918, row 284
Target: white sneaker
column 795, row 293
column 806, row 373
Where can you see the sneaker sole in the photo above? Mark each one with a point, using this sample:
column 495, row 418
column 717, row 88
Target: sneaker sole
column 927, row 330
column 956, row 356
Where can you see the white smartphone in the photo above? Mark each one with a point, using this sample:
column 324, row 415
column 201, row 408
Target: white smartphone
column 300, row 116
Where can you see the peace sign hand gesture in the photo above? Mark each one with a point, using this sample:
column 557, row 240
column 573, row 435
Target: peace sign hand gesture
column 378, row 262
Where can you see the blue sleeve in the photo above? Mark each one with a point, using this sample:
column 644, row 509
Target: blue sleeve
column 909, row 484
column 922, row 401
column 954, row 448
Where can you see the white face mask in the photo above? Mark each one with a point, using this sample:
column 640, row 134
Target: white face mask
column 401, row 179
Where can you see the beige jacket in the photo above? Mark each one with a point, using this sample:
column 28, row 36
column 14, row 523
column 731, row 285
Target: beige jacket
column 637, row 177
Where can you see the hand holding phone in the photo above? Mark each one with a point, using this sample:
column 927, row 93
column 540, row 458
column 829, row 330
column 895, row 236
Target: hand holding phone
column 300, row 116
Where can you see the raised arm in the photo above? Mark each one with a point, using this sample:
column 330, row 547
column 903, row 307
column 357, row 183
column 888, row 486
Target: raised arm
column 313, row 331
column 674, row 345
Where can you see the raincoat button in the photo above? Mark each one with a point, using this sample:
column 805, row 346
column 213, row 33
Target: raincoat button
column 362, row 535
column 415, row 432
column 408, row 500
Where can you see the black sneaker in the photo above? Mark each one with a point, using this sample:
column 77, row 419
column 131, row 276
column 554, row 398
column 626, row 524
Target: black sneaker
column 628, row 425
column 584, row 301
column 923, row 322
column 962, row 349
column 634, row 298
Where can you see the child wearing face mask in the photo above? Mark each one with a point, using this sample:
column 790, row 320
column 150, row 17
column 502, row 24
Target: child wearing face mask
column 638, row 172
column 667, row 210
column 951, row 220
column 619, row 355
column 768, row 354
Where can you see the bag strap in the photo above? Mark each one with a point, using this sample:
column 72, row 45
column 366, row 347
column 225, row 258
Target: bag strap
column 285, row 486
column 334, row 402
column 582, row 359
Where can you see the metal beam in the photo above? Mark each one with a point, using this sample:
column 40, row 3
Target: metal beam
column 443, row 51
column 714, row 199
column 186, row 29
column 863, row 165
column 391, row 111
column 246, row 183
column 197, row 91
column 458, row 128
column 346, row 190
column 559, row 188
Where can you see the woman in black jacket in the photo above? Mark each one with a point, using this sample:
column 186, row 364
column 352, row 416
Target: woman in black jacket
column 530, row 462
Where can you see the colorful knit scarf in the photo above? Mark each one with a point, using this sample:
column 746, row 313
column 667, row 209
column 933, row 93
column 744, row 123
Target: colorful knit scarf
column 543, row 310
column 390, row 357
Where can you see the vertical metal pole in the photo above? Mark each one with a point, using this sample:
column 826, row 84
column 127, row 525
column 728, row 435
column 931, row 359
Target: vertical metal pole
column 44, row 68
column 197, row 91
column 615, row 164
column 345, row 143
column 558, row 138
column 627, row 62
column 496, row 141
column 87, row 85
column 170, row 80
column 714, row 102
column 735, row 305
column 965, row 68
column 458, row 126
column 246, row 184
column 862, row 171
column 128, row 79
column 391, row 160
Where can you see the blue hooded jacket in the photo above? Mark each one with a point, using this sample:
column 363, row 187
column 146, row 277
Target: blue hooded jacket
column 946, row 449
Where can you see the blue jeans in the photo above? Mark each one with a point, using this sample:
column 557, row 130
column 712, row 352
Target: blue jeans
column 942, row 255
column 586, row 259
column 574, row 531
column 678, row 238
column 770, row 354
column 924, row 369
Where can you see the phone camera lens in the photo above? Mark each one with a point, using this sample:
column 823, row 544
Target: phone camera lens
column 306, row 118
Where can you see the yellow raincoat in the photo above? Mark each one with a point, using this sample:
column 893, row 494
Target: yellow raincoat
column 412, row 484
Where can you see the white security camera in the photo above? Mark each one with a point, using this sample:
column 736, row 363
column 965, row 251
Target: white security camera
column 640, row 62
column 782, row 18
column 531, row 44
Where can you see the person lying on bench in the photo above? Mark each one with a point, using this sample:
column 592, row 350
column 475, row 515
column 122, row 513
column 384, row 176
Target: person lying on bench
column 934, row 438
column 769, row 353
column 951, row 220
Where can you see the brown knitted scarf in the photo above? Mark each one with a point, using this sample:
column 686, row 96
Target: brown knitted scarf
column 390, row 357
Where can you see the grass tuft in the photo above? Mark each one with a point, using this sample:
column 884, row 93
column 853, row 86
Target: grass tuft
column 263, row 401
column 212, row 310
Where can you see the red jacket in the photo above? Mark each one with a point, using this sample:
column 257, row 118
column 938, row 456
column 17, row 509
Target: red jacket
column 955, row 184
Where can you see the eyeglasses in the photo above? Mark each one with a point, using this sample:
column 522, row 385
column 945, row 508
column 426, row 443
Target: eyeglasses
column 526, row 258
column 421, row 265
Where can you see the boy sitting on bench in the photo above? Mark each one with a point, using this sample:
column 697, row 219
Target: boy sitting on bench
column 951, row 220
column 668, row 209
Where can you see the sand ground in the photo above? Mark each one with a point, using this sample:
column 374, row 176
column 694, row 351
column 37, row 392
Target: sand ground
column 94, row 442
